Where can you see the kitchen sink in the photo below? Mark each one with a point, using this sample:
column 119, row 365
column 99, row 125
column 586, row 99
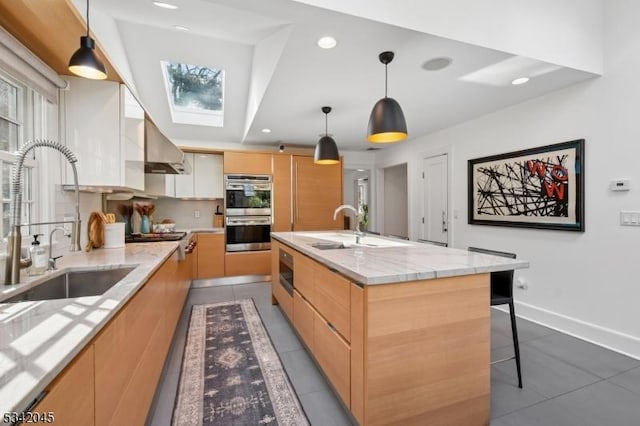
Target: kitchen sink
column 329, row 246
column 348, row 240
column 73, row 284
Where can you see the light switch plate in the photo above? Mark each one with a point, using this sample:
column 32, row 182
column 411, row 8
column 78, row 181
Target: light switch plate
column 630, row 218
column 620, row 185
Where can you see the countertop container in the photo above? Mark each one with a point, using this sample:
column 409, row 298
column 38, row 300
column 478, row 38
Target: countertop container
column 114, row 235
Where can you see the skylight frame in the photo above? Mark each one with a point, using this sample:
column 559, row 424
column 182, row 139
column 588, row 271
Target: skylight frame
column 191, row 115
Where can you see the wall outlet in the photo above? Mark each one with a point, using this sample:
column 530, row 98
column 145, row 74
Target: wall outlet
column 68, row 226
column 196, row 214
column 521, row 283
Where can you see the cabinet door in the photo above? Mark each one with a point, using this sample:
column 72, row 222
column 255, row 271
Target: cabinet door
column 281, row 193
column 184, row 183
column 303, row 315
column 333, row 355
column 210, row 255
column 133, row 124
column 207, row 175
column 92, row 111
column 162, row 185
column 258, row 163
column 71, row 396
column 331, row 298
column 317, row 193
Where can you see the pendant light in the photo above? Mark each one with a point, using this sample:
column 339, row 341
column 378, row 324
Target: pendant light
column 84, row 61
column 386, row 122
column 326, row 149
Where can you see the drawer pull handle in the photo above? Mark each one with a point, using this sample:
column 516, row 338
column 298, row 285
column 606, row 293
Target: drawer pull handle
column 333, row 270
column 331, row 327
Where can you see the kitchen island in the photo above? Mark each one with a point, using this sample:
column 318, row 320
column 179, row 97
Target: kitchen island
column 97, row 358
column 400, row 329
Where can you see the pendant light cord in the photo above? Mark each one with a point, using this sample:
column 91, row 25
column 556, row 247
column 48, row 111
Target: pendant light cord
column 326, row 124
column 385, row 78
column 87, row 18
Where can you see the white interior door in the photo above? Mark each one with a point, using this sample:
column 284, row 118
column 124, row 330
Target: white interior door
column 435, row 213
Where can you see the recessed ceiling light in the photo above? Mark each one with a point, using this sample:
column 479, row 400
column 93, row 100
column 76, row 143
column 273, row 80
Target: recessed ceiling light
column 327, row 42
column 181, row 28
column 436, row 64
column 360, row 170
column 520, row 80
column 266, row 130
column 165, row 5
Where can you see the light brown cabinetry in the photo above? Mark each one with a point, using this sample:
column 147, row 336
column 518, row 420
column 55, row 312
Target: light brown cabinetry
column 70, row 397
column 281, row 196
column 332, row 353
column 401, row 353
column 303, row 314
column 257, row 163
column 116, row 375
column 211, row 255
column 247, row 263
column 317, row 191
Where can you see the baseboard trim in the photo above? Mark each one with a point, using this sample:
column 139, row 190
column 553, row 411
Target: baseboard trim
column 235, row 280
column 616, row 341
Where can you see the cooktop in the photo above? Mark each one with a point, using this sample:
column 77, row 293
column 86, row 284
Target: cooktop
column 149, row 238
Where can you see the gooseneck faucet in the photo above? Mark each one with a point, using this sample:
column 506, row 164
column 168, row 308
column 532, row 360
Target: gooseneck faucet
column 14, row 262
column 51, row 261
column 356, row 216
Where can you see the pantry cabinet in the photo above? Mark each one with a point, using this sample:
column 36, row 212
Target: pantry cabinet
column 205, row 180
column 103, row 125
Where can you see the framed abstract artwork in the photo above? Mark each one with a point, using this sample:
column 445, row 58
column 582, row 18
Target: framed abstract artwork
column 534, row 188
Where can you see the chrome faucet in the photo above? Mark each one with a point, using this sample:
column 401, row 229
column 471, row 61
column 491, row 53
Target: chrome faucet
column 14, row 263
column 359, row 234
column 52, row 260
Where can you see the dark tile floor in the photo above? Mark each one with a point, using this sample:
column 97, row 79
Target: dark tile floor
column 567, row 382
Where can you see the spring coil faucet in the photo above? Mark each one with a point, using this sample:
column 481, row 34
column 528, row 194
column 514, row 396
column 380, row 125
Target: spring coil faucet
column 14, row 263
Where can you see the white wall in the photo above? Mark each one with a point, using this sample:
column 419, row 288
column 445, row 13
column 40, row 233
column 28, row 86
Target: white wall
column 583, row 283
column 395, row 201
column 563, row 32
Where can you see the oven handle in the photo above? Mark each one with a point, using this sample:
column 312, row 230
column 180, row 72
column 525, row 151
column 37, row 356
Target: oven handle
column 232, row 221
column 256, row 186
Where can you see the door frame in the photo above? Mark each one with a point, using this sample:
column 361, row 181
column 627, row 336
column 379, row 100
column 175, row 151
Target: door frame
column 448, row 151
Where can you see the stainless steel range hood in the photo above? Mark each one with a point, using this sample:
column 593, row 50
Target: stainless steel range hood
column 161, row 156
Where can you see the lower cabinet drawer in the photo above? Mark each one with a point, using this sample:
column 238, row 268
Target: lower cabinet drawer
column 333, row 355
column 303, row 315
column 283, row 298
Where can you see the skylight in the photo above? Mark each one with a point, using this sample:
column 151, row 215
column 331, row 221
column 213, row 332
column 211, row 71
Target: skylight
column 195, row 93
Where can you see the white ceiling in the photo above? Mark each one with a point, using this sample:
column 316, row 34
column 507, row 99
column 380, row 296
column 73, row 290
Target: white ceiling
column 283, row 82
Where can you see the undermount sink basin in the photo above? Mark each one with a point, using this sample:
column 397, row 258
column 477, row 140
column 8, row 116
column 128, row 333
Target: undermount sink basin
column 329, row 246
column 73, row 284
column 349, row 240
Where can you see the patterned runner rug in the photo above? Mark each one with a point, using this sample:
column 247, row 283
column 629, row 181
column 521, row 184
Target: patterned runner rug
column 231, row 374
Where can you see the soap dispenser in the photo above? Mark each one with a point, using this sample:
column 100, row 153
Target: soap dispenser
column 38, row 257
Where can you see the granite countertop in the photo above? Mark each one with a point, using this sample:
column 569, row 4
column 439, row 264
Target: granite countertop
column 404, row 261
column 38, row 339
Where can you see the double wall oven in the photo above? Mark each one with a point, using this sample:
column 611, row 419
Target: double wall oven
column 248, row 212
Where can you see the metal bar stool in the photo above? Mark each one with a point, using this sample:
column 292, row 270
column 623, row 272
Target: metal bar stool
column 502, row 294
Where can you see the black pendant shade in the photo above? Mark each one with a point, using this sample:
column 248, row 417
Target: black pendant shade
column 84, row 61
column 326, row 151
column 386, row 122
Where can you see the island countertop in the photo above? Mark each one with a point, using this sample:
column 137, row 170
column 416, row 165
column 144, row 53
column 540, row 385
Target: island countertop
column 39, row 338
column 390, row 260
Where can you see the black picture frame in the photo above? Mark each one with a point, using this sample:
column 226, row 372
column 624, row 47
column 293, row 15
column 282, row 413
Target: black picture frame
column 540, row 188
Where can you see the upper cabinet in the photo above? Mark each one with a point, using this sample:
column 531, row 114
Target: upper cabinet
column 205, row 180
column 317, row 192
column 104, row 127
column 252, row 163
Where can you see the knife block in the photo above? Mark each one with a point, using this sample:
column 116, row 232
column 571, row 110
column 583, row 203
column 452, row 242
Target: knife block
column 218, row 220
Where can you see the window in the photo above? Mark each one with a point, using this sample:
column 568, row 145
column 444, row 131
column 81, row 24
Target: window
column 195, row 93
column 16, row 110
